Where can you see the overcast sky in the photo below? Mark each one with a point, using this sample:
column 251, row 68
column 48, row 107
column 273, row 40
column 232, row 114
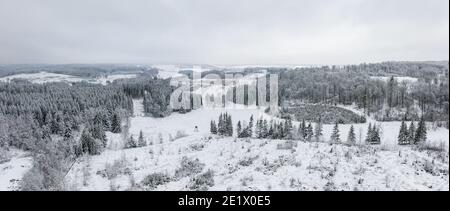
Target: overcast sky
column 223, row 31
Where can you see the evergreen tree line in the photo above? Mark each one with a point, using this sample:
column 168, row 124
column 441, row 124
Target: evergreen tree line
column 412, row 135
column 133, row 143
column 155, row 92
column 286, row 130
column 224, row 127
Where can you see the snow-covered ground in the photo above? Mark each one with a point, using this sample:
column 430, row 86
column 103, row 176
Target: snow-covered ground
column 261, row 165
column 46, row 77
column 11, row 172
column 251, row 164
column 241, row 164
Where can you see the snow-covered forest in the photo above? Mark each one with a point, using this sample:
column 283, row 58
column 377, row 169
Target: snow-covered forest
column 358, row 127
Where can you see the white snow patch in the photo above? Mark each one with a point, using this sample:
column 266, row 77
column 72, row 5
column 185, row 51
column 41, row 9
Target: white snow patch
column 12, row 171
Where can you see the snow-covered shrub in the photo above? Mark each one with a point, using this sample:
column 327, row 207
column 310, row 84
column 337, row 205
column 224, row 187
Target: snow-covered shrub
column 330, row 186
column 288, row 145
column 247, row 161
column 118, row 167
column 154, row 180
column 189, row 167
column 196, row 147
column 180, row 134
column 246, row 180
column 202, row 182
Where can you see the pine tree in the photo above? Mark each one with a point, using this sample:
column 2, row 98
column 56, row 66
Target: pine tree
column 131, row 143
column 89, row 144
column 270, row 133
column 309, row 132
column 213, row 127
column 411, row 132
column 288, row 129
column 221, row 125
column 403, row 134
column 351, row 139
column 302, row 130
column 281, row 130
column 376, row 139
column 250, row 127
column 239, row 129
column 421, row 132
column 258, row 131
column 318, row 131
column 98, row 133
column 265, row 130
column 369, row 135
column 335, row 137
column 116, row 124
column 141, row 140
column 229, row 126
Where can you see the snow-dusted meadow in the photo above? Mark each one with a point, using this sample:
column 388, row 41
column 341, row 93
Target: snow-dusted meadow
column 252, row 164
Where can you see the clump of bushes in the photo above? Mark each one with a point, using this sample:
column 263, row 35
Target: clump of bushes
column 189, row 167
column 154, row 180
column 118, row 167
column 202, row 182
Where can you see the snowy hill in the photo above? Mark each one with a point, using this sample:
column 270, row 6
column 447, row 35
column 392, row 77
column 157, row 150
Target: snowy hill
column 239, row 164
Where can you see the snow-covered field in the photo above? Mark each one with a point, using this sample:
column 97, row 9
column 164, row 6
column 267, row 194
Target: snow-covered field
column 249, row 164
column 11, row 172
column 46, row 77
column 261, row 165
column 252, row 164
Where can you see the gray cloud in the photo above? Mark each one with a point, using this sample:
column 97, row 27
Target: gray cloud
column 223, row 31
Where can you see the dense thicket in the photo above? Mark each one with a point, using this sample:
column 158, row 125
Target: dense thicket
column 155, row 92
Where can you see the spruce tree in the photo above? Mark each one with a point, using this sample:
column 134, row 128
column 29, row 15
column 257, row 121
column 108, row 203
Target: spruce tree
column 258, row 129
column 229, row 127
column 421, row 132
column 318, row 131
column 351, row 139
column 116, row 124
column 131, row 143
column 376, row 139
column 221, row 125
column 213, row 127
column 270, row 133
column 335, row 137
column 309, row 132
column 250, row 127
column 411, row 132
column 141, row 140
column 403, row 134
column 98, row 133
column 288, row 129
column 89, row 144
column 265, row 130
column 369, row 135
column 239, row 129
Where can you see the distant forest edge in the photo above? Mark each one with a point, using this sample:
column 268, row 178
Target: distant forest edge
column 80, row 70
